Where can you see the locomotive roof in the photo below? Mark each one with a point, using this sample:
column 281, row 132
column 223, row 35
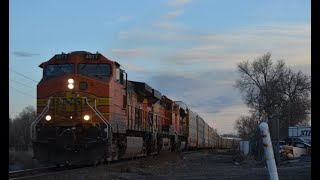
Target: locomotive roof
column 142, row 87
column 77, row 52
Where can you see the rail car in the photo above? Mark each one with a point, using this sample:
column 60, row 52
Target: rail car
column 228, row 143
column 88, row 112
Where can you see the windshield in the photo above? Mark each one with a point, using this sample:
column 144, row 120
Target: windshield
column 98, row 71
column 53, row 70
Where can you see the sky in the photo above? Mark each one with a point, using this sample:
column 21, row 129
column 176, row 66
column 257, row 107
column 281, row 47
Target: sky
column 186, row 49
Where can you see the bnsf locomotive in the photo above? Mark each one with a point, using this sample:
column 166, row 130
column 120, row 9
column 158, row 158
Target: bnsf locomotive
column 89, row 112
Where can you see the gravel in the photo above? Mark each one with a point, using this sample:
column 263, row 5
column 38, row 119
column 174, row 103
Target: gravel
column 206, row 164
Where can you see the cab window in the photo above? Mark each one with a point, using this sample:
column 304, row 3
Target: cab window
column 52, row 70
column 97, row 71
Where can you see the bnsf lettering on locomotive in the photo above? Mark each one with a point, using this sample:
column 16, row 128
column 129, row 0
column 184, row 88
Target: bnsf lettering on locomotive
column 92, row 56
column 68, row 101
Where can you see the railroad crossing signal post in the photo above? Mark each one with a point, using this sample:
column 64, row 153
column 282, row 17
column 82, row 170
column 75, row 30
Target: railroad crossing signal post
column 268, row 151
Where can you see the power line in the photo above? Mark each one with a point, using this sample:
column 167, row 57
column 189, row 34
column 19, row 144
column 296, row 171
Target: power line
column 22, row 92
column 21, row 83
column 22, row 75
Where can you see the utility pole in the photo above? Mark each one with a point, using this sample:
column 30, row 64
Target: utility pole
column 278, row 148
column 274, row 124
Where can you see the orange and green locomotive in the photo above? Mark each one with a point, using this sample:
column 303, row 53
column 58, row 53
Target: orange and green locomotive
column 88, row 112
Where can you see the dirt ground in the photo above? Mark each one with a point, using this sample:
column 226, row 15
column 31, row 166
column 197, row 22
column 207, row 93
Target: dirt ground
column 207, row 164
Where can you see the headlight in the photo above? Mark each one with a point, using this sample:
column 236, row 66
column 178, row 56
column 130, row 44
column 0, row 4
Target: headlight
column 86, row 117
column 70, row 86
column 48, row 117
column 70, row 81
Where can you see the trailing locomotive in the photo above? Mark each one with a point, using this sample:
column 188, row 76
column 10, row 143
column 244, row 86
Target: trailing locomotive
column 89, row 112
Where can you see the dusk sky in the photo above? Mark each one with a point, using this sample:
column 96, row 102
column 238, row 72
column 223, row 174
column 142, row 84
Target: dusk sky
column 186, row 49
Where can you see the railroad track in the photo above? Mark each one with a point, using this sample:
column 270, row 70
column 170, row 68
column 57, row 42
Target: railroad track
column 54, row 170
column 45, row 172
column 27, row 172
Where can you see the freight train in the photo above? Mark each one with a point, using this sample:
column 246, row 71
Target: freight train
column 89, row 112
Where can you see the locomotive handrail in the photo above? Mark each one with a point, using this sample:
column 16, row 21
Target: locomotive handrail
column 35, row 122
column 99, row 114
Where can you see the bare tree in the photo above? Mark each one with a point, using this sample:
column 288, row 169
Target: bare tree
column 11, row 133
column 273, row 90
column 296, row 104
column 19, row 127
column 246, row 126
column 259, row 82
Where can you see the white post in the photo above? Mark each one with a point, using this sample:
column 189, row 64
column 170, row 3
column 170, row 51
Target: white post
column 268, row 151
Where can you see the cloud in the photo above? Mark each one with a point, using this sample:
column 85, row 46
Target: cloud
column 24, row 54
column 173, row 14
column 303, row 30
column 133, row 68
column 224, row 120
column 210, row 91
column 161, row 37
column 289, row 42
column 122, row 35
column 211, row 58
column 210, row 94
column 305, row 68
column 117, row 20
column 123, row 18
column 178, row 2
column 199, row 68
column 167, row 25
column 130, row 53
